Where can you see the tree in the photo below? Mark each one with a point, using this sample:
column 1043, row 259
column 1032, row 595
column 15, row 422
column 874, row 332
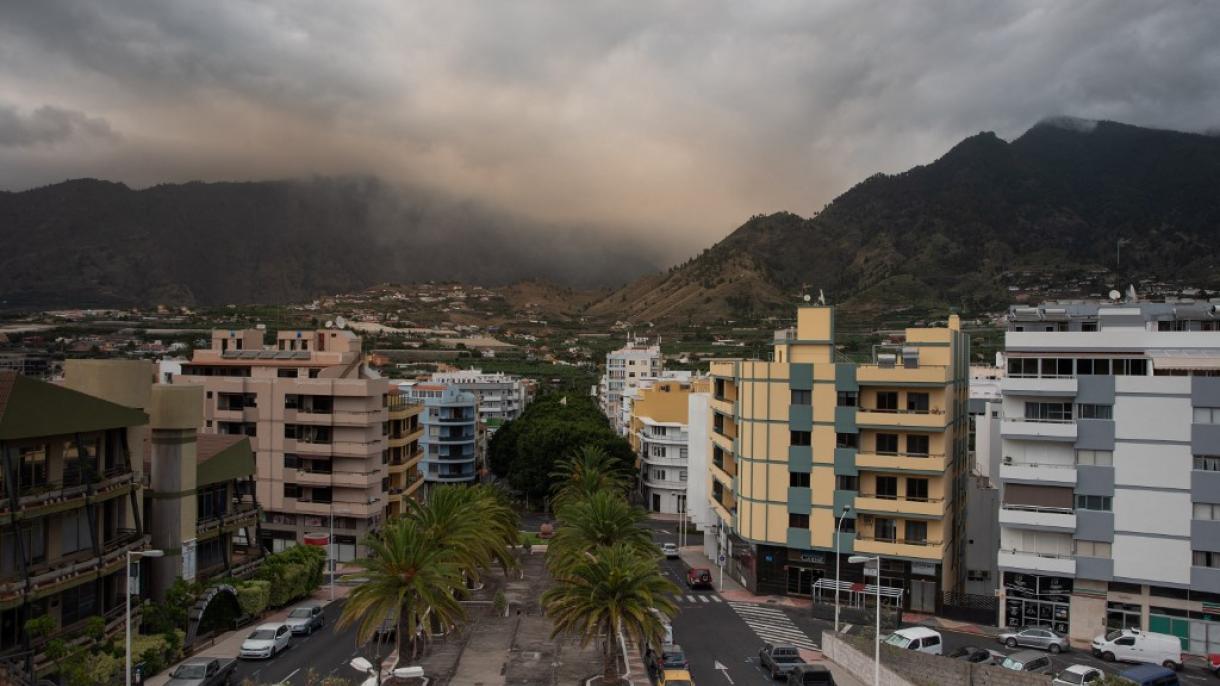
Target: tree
column 586, row 471
column 602, row 520
column 476, row 524
column 614, row 589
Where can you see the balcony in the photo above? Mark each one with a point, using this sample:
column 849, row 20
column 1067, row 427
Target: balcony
column 901, row 462
column 400, row 466
column 50, row 577
column 404, row 438
column 1041, row 518
column 898, row 375
column 723, row 406
column 54, row 496
column 1021, row 428
column 928, row 550
column 675, row 437
column 339, row 508
column 725, row 443
column 243, row 514
column 927, row 420
column 900, row 505
column 1038, row 473
column 447, row 439
column 365, row 479
column 453, row 419
column 1042, row 563
column 1034, row 386
column 357, row 417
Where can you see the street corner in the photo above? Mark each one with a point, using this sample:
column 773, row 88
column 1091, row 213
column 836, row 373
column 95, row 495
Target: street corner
column 812, row 656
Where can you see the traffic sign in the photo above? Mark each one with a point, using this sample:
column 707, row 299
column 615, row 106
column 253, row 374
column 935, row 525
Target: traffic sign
column 721, row 558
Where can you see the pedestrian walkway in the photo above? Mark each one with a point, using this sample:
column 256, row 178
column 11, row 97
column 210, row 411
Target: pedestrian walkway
column 697, row 599
column 772, row 625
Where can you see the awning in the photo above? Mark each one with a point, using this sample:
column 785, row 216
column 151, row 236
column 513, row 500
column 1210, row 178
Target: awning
column 850, row 586
column 1208, row 362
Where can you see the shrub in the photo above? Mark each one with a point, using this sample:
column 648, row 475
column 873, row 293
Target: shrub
column 93, row 669
column 254, row 596
column 293, row 573
column 39, row 626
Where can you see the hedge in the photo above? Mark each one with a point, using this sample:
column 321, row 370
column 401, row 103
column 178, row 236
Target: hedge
column 253, row 596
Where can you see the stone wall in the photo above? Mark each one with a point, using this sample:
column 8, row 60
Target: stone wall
column 909, row 668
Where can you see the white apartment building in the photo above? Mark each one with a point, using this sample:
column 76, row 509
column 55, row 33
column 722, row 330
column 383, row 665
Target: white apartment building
column 1110, row 469
column 626, row 368
column 502, row 397
column 982, row 492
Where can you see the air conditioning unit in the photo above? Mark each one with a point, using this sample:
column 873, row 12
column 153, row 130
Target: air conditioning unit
column 1008, row 459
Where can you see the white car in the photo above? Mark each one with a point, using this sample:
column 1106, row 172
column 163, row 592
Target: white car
column 1078, row 675
column 670, row 550
column 1133, row 645
column 917, row 638
column 266, row 641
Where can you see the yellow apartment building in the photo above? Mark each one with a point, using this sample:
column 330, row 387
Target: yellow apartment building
column 810, row 438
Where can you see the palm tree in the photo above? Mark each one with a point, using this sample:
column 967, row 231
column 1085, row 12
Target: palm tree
column 612, row 590
column 409, row 577
column 599, row 521
column 475, row 523
column 588, row 470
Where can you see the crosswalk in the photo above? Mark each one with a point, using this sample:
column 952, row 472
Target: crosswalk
column 697, row 598
column 772, row 625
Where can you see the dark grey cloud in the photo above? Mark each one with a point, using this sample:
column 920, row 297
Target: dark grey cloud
column 48, row 125
column 674, row 120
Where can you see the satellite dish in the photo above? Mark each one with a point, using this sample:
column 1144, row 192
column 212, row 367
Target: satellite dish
column 807, row 297
column 340, row 322
column 1115, row 295
column 330, row 324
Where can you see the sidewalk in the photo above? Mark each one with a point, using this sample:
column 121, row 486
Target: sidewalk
column 730, row 588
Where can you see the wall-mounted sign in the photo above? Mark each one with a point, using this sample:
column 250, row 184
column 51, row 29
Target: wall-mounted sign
column 923, row 568
column 188, row 560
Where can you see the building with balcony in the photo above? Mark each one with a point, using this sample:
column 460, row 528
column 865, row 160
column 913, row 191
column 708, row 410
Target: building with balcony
column 405, row 452
column 70, row 481
column 660, row 435
column 318, row 420
column 451, row 442
column 502, row 397
column 797, row 439
column 626, row 369
column 1110, row 469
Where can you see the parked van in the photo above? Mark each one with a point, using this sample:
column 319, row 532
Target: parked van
column 919, row 638
column 1150, row 675
column 1133, row 645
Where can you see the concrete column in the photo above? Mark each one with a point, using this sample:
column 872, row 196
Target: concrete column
column 174, row 415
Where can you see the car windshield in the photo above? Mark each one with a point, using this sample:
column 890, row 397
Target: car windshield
column 301, row 612
column 190, row 672
column 262, row 635
column 1010, row 663
column 1113, row 635
column 898, row 640
column 1071, row 678
column 675, row 658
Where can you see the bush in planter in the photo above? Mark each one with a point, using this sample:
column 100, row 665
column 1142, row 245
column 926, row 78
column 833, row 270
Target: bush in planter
column 254, row 596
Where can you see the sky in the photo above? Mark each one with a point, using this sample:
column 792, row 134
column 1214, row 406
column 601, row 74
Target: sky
column 672, row 121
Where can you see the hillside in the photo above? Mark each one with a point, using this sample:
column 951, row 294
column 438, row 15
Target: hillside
column 95, row 243
column 1056, row 201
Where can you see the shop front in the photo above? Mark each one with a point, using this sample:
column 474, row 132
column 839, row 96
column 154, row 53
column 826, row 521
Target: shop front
column 1034, row 600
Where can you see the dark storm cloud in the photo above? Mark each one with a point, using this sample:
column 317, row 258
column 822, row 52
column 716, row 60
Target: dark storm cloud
column 674, row 120
column 47, row 125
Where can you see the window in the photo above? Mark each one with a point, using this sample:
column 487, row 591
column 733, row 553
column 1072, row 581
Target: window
column 847, row 440
column 1091, row 411
column 917, row 402
column 847, row 483
column 292, row 401
column 798, row 479
column 1207, row 511
column 291, row 461
column 1023, row 367
column 1207, row 463
column 1207, row 415
column 1056, row 367
column 1093, row 502
column 1092, row 549
column 885, row 529
column 800, row 438
column 887, row 444
column 1205, row 558
column 887, row 487
column 887, row 401
column 1088, row 326
column 313, row 373
column 286, row 373
column 1097, row 458
column 1099, row 367
column 917, row 532
column 32, row 472
column 292, row 491
column 658, row 474
column 681, row 475
column 917, row 444
column 802, row 397
column 74, row 532
column 78, row 603
column 798, row 521
column 1048, row 412
column 917, row 489
column 658, row 451
column 848, row 398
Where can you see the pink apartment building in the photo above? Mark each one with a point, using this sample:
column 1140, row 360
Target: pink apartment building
column 319, row 421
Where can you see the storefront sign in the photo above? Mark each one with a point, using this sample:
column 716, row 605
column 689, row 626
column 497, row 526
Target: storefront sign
column 923, row 568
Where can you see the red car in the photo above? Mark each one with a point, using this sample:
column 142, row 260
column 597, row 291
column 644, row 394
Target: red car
column 1213, row 663
column 698, row 578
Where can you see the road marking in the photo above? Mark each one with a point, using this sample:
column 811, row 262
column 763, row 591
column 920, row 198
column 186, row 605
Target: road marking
column 690, row 598
column 717, row 599
column 772, row 625
column 846, row 628
column 723, row 670
column 285, row 679
column 703, row 598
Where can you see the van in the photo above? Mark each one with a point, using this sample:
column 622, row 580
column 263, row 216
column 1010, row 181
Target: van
column 1150, row 675
column 918, row 638
column 1133, row 645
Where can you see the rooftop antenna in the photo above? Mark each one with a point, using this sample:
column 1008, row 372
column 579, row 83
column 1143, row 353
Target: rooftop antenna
column 1131, row 295
column 821, row 297
column 340, row 322
column 808, row 298
column 330, row 324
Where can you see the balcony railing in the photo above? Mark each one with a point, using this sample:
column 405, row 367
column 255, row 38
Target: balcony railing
column 906, row 498
column 1031, row 553
column 933, row 410
column 898, row 541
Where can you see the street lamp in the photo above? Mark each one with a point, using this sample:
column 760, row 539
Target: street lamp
column 838, row 527
column 132, row 555
column 864, row 559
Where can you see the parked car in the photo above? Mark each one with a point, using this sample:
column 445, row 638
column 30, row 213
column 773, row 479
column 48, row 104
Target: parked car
column 1151, row 675
column 667, row 629
column 811, row 675
column 779, row 659
column 670, row 550
column 1133, row 645
column 1028, row 661
column 975, row 654
column 919, row 638
column 203, row 671
column 675, row 677
column 1078, row 675
column 304, row 619
column 1035, row 637
column 669, row 657
column 1213, row 663
column 266, row 641
column 697, row 577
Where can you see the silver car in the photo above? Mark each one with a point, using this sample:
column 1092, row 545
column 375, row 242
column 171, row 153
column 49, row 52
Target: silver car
column 1034, row 637
column 304, row 619
column 1028, row 661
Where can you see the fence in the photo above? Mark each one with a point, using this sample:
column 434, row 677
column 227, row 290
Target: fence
column 970, row 607
column 910, row 668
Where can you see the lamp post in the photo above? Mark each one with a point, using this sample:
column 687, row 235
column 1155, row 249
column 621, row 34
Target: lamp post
column 838, row 528
column 864, row 559
column 132, row 555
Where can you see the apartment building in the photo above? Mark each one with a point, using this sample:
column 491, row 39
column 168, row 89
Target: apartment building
column 70, row 513
column 1110, row 470
column 626, row 368
column 318, row 422
column 405, row 448
column 660, row 436
column 982, row 492
column 799, row 438
column 501, row 397
column 451, row 439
